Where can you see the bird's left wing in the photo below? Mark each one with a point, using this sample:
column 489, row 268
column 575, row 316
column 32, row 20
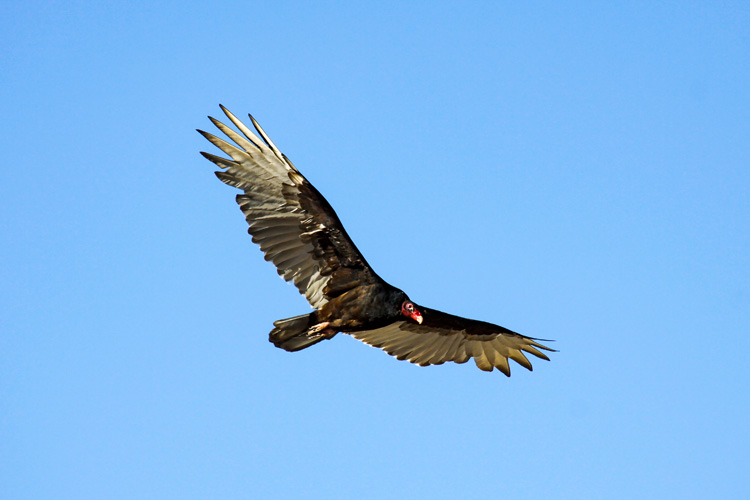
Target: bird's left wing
column 292, row 222
column 444, row 337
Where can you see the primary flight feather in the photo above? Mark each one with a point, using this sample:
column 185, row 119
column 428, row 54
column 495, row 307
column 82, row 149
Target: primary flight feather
column 300, row 233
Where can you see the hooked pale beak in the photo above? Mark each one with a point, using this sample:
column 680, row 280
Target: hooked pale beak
column 410, row 311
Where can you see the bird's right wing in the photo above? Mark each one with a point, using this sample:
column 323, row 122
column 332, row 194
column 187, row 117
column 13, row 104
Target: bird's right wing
column 444, row 337
column 292, row 222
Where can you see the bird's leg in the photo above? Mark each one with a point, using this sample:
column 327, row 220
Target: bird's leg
column 321, row 330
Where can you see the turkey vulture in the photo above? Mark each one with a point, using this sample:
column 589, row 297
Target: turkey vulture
column 300, row 233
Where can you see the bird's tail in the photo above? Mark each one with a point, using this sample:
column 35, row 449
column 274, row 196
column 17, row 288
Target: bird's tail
column 294, row 334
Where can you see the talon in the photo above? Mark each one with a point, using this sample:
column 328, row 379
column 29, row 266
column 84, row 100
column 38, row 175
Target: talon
column 321, row 330
column 318, row 327
column 326, row 334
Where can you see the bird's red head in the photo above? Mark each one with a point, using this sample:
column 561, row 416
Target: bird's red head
column 410, row 311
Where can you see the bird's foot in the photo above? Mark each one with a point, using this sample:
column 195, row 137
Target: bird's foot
column 321, row 330
column 319, row 327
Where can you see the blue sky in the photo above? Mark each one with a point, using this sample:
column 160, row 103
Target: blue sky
column 576, row 172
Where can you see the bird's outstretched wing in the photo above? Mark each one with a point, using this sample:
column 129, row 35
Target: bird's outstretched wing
column 444, row 337
column 294, row 225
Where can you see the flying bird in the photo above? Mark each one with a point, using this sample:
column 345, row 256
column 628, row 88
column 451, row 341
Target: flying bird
column 300, row 233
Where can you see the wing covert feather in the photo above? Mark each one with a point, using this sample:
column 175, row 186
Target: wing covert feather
column 444, row 337
column 294, row 225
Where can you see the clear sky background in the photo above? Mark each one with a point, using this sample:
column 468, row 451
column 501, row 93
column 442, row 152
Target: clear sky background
column 575, row 172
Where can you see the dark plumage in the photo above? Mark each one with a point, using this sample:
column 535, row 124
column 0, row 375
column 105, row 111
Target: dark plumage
column 301, row 234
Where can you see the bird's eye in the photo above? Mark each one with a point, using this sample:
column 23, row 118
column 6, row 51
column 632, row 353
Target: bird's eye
column 409, row 307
